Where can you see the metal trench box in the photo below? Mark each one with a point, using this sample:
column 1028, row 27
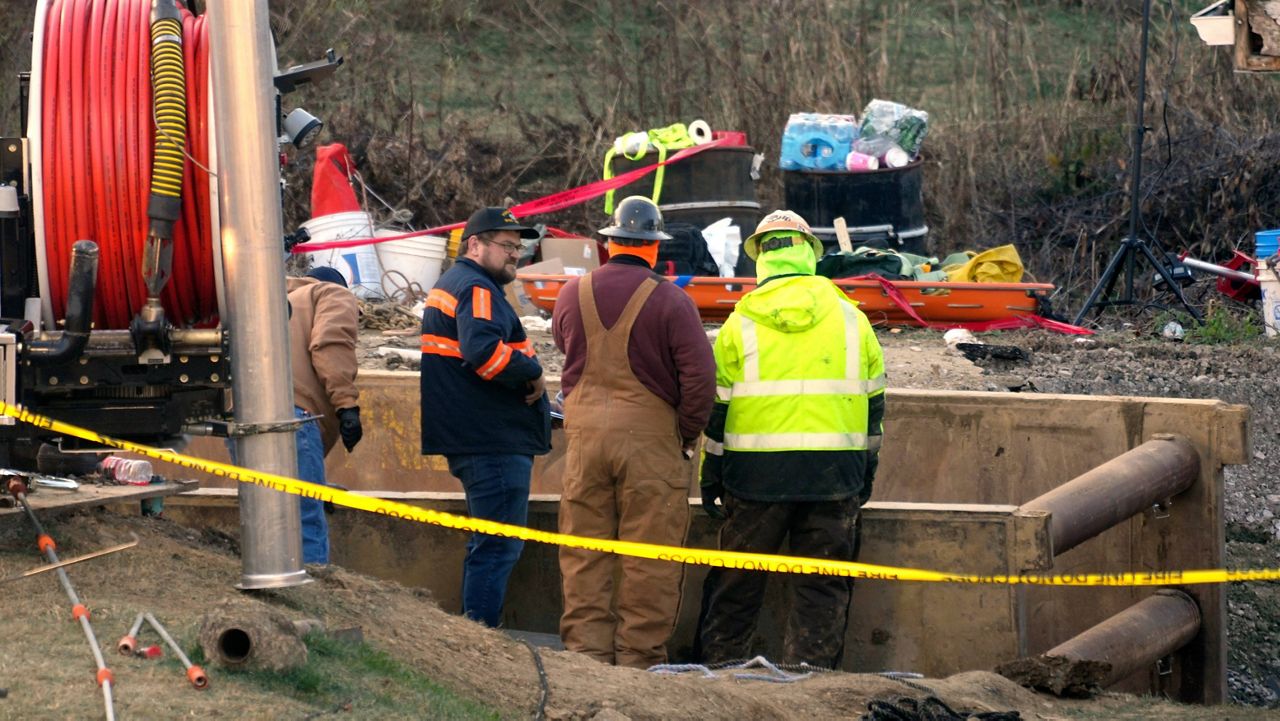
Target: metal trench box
column 955, row 469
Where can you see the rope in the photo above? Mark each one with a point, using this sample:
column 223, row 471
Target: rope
column 407, row 291
column 98, row 130
column 776, row 672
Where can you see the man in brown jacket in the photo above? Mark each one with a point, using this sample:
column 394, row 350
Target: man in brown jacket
column 324, row 320
column 638, row 381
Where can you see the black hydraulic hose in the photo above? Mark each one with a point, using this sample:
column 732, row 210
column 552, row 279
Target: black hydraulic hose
column 83, row 281
column 169, row 100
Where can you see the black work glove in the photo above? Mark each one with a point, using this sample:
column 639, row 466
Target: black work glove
column 868, row 480
column 712, row 486
column 349, row 426
column 329, row 507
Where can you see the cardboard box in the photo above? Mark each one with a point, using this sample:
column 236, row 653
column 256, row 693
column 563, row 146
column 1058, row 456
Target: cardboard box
column 579, row 255
column 515, row 292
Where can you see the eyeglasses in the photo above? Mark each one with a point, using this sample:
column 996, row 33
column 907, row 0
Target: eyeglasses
column 508, row 248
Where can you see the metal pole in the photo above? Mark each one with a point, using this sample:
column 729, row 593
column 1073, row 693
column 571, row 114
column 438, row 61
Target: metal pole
column 1117, row 490
column 79, row 611
column 252, row 252
column 1139, row 136
column 195, row 674
column 1136, row 637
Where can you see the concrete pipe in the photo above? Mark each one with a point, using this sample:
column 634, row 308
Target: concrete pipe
column 1136, row 637
column 1118, row 490
column 251, row 636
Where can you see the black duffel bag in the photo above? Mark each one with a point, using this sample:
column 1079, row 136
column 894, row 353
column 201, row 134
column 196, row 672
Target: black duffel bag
column 686, row 253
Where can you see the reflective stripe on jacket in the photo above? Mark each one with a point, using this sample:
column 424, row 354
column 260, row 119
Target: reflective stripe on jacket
column 803, row 391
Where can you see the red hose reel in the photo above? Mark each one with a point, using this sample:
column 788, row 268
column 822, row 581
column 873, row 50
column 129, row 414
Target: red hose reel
column 97, row 133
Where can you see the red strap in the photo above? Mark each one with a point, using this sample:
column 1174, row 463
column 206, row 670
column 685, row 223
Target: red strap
column 546, row 204
column 1010, row 323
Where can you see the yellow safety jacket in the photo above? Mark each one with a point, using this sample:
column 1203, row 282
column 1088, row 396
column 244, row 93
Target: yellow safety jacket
column 800, row 391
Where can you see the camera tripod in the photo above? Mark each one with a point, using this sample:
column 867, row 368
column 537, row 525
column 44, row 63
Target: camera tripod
column 1134, row 246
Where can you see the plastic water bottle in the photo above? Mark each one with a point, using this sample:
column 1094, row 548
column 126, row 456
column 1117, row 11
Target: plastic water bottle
column 791, row 156
column 126, row 470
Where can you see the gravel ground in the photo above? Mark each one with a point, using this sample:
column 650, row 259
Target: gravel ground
column 1115, row 363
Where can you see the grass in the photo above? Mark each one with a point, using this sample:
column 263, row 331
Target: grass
column 360, row 681
column 1223, row 324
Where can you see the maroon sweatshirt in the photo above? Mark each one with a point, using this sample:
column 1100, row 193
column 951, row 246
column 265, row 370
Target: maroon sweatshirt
column 668, row 348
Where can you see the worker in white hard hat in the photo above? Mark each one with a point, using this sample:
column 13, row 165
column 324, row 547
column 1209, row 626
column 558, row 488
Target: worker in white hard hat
column 792, row 445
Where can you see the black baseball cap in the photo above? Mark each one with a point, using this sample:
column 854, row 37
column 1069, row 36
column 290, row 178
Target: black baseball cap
column 487, row 219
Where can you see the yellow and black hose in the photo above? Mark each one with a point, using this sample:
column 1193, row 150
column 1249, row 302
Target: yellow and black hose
column 169, row 101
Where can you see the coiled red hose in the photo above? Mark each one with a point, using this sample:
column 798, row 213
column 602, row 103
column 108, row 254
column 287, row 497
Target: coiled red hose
column 98, row 131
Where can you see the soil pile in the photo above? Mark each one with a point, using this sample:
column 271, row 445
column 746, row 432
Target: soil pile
column 180, row 575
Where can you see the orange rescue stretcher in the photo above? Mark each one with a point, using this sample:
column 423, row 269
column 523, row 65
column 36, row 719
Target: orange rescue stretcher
column 935, row 302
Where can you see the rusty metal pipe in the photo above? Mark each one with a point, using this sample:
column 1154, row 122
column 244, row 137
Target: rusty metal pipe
column 1136, row 637
column 1118, row 490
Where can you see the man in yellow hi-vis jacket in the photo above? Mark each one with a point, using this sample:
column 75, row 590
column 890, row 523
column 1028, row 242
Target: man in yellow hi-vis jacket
column 792, row 444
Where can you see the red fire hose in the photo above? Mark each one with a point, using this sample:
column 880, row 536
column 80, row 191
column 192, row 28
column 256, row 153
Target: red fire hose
column 98, row 131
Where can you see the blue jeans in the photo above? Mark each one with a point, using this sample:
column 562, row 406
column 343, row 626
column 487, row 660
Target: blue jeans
column 310, row 453
column 315, row 527
column 497, row 488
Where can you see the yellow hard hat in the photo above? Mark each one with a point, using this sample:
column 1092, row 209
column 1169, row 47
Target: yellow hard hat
column 781, row 220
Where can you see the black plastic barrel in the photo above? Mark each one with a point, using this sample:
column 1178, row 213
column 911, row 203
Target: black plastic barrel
column 714, row 184
column 882, row 208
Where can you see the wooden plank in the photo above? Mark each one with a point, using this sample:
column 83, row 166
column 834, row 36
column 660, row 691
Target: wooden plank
column 1246, row 60
column 49, row 499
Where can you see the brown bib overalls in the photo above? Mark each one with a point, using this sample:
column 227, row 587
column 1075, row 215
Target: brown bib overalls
column 625, row 478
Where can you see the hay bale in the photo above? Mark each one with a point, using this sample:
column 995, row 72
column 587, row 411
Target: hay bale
column 238, row 635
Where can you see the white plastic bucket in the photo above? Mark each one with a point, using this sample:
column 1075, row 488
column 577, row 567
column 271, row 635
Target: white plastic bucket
column 1270, row 300
column 418, row 259
column 359, row 265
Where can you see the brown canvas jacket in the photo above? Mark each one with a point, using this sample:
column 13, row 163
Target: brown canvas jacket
column 323, row 327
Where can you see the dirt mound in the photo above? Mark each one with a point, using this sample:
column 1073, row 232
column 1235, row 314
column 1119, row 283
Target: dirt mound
column 180, row 575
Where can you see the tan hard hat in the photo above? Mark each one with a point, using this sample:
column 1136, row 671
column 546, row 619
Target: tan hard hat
column 781, row 220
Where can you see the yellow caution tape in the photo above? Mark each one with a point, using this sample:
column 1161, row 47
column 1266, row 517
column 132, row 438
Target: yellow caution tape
column 677, row 554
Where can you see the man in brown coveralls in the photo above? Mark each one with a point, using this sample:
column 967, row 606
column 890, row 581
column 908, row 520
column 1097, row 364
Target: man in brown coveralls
column 639, row 381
